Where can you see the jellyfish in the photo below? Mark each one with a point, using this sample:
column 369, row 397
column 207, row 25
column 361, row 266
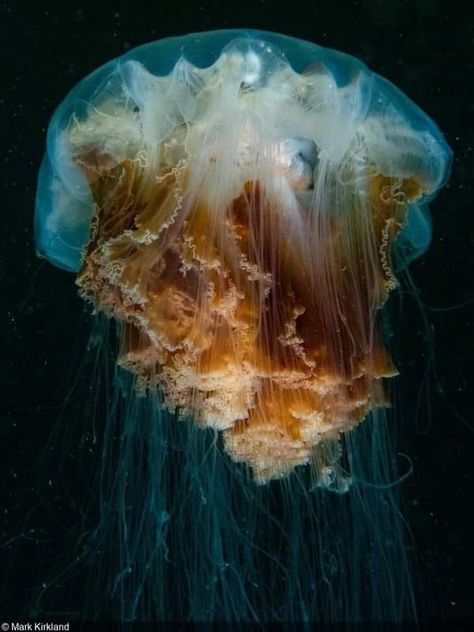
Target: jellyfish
column 237, row 208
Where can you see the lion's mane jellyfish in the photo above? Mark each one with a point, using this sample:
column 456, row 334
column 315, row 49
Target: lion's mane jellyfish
column 238, row 204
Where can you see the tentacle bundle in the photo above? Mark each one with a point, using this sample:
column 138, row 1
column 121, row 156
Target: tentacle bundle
column 243, row 219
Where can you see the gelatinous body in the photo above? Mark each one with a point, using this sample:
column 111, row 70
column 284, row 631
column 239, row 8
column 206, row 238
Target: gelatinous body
column 243, row 215
column 240, row 202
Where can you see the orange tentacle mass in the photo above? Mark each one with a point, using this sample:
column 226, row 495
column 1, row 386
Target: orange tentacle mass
column 259, row 329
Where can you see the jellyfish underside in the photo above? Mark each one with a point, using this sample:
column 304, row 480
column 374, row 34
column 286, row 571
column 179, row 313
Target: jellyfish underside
column 237, row 207
column 246, row 256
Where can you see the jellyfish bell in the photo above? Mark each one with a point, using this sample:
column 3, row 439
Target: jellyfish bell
column 243, row 215
column 240, row 202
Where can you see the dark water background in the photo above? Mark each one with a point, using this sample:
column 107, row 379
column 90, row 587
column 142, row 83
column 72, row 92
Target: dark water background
column 426, row 48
